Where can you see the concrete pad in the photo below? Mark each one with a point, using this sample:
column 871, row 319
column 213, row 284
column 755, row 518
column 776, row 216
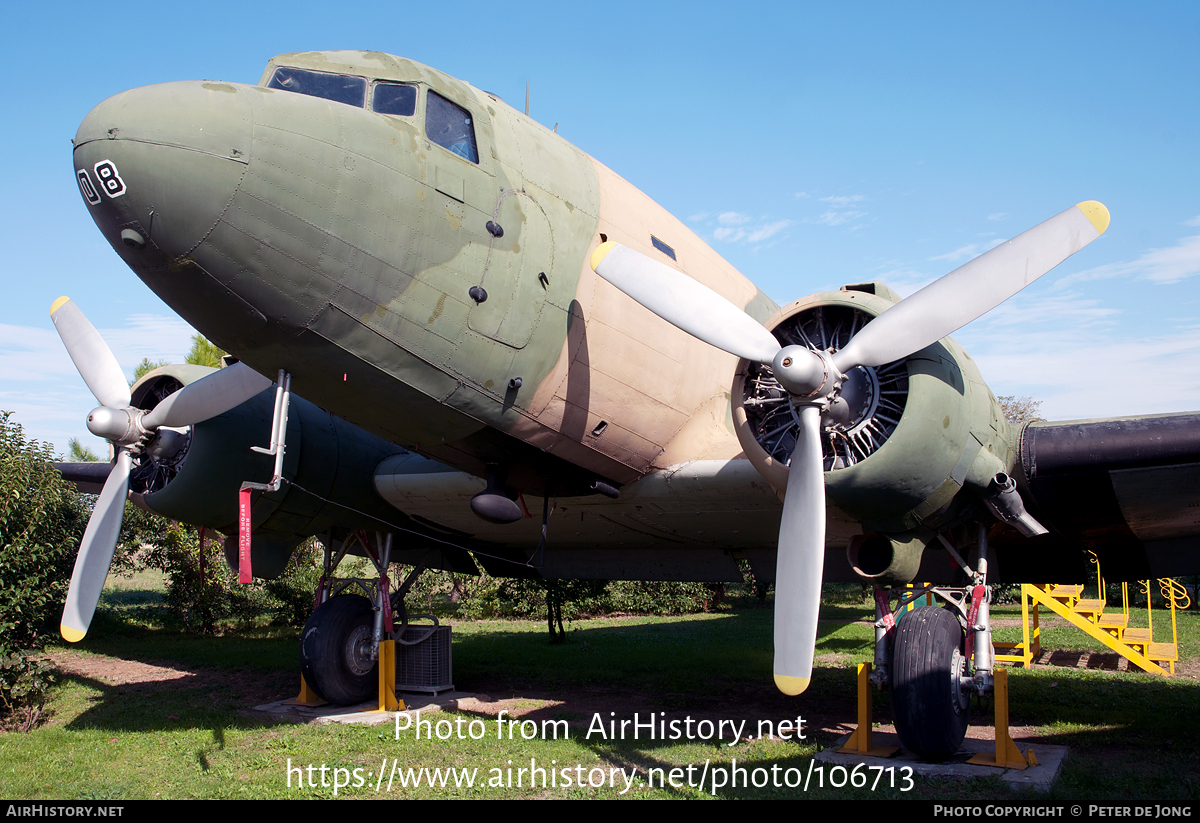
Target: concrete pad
column 1039, row 778
column 365, row 713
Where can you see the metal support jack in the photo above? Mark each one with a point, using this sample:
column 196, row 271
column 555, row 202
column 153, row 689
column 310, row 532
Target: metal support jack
column 860, row 741
column 1007, row 755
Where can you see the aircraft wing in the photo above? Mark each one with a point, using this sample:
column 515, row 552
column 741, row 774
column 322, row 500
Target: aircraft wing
column 1127, row 489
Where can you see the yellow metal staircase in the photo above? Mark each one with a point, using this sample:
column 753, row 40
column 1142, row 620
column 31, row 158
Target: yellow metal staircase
column 1109, row 627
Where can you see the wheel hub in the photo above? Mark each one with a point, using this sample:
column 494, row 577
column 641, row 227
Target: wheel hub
column 358, row 650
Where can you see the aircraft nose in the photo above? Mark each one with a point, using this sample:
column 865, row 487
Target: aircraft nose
column 158, row 165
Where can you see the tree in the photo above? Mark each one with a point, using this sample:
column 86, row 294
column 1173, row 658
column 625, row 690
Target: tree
column 80, row 453
column 204, row 353
column 1021, row 410
column 146, row 366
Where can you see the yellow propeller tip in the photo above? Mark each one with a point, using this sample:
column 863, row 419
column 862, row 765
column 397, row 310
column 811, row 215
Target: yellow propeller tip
column 1096, row 212
column 791, row 685
column 70, row 634
column 58, row 304
column 601, row 252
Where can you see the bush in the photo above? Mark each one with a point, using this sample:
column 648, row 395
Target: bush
column 202, row 601
column 41, row 523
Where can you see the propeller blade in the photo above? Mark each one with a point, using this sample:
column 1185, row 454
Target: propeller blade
column 213, row 395
column 684, row 302
column 96, row 551
column 973, row 289
column 801, row 559
column 93, row 359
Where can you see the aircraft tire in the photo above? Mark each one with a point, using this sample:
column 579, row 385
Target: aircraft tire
column 931, row 711
column 334, row 651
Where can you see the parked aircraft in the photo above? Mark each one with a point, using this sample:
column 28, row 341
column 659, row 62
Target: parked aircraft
column 510, row 356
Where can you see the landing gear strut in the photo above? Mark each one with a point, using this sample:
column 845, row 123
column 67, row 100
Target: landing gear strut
column 938, row 656
column 340, row 645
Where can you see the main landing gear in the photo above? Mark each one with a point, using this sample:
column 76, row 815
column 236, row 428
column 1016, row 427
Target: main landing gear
column 342, row 640
column 933, row 658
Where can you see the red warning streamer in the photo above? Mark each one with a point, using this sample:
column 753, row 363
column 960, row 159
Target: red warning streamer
column 244, row 573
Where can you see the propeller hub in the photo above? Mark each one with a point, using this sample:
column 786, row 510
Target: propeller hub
column 121, row 426
column 806, row 374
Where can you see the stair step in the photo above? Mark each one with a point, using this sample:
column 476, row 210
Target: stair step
column 1163, row 651
column 1066, row 590
column 1139, row 636
column 1089, row 607
column 1113, row 621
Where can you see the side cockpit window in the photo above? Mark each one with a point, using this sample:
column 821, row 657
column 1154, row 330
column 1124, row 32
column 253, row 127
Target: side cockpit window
column 339, row 88
column 394, row 98
column 450, row 126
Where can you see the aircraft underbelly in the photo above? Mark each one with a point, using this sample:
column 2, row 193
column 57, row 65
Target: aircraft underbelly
column 689, row 522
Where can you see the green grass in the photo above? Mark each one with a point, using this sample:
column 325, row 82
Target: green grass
column 1132, row 736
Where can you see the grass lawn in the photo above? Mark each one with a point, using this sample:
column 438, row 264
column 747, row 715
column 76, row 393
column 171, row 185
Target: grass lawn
column 153, row 712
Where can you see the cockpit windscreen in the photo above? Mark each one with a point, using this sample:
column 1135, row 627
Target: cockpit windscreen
column 394, row 98
column 339, row 88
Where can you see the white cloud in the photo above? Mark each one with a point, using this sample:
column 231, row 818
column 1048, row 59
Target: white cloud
column 732, row 218
column 837, row 218
column 696, row 218
column 735, row 227
column 1195, row 221
column 1000, row 215
column 1082, row 374
column 905, row 281
column 763, row 232
column 961, row 253
column 802, row 194
column 1169, row 265
column 841, row 201
column 969, row 251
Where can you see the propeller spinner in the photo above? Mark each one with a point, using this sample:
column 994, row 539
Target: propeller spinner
column 130, row 430
column 814, row 379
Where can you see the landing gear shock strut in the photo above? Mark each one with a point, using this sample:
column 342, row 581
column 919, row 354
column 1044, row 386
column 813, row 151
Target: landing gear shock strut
column 933, row 658
column 353, row 620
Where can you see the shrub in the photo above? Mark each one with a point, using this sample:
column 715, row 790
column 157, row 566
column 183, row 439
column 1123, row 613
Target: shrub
column 41, row 523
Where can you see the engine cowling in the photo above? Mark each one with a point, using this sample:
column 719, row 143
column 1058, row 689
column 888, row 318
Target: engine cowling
column 901, row 443
column 193, row 474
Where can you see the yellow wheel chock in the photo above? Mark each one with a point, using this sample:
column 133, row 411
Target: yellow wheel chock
column 307, row 696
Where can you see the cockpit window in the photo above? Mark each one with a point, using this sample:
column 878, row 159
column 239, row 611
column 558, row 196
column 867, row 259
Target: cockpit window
column 450, row 126
column 394, row 98
column 339, row 88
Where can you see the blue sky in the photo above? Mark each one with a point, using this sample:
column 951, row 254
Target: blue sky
column 811, row 144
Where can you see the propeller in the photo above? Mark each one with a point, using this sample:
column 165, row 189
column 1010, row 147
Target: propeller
column 130, row 430
column 814, row 379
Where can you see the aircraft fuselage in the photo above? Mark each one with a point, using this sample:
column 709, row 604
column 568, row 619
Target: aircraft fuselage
column 342, row 244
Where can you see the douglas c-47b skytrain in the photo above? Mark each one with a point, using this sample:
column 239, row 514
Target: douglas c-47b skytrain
column 510, row 356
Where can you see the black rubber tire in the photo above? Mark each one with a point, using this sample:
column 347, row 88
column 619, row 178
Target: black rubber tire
column 931, row 712
column 327, row 651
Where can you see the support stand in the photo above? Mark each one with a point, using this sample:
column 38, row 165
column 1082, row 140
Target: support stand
column 1007, row 755
column 307, row 697
column 860, row 741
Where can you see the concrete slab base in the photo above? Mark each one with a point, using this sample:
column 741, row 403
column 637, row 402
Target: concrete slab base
column 364, row 714
column 1038, row 778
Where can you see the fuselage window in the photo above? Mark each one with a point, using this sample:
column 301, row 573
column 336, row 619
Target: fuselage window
column 339, row 88
column 662, row 247
column 450, row 126
column 394, row 98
